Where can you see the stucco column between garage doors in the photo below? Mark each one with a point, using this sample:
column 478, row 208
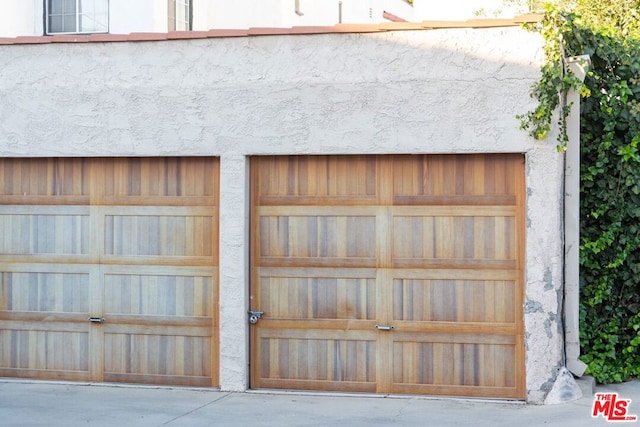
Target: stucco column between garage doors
column 234, row 272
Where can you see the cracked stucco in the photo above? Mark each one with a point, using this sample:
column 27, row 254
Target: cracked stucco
column 442, row 91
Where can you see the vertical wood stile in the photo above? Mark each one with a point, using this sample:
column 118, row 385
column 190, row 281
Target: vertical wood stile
column 520, row 191
column 97, row 348
column 211, row 187
column 384, row 277
column 97, row 229
column 256, row 169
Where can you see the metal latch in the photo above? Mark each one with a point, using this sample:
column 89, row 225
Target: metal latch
column 96, row 319
column 254, row 316
column 385, row 327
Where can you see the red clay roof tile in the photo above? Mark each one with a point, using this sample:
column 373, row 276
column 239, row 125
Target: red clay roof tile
column 269, row 31
column 147, row 36
column 69, row 38
column 311, row 30
column 31, row 40
column 338, row 28
column 108, row 37
column 174, row 35
column 228, row 33
column 358, row 28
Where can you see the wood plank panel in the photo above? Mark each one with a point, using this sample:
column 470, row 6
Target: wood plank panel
column 44, row 350
column 318, row 298
column 454, row 301
column 157, row 355
column 44, row 292
column 160, row 235
column 318, row 236
column 50, row 181
column 440, row 239
column 150, row 179
column 37, row 234
column 454, row 238
column 304, row 179
column 457, row 175
column 152, row 295
column 454, row 364
column 318, row 360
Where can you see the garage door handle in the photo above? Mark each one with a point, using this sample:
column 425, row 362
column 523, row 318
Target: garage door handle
column 384, row 327
column 96, row 319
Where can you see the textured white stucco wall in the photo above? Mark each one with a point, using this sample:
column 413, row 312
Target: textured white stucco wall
column 439, row 91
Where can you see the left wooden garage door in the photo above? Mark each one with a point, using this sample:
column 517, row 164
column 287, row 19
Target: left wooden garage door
column 109, row 270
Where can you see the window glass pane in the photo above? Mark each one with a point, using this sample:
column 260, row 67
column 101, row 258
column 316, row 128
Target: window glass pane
column 68, row 24
column 73, row 16
column 182, row 15
column 58, row 7
column 94, row 16
column 69, row 6
column 61, row 16
column 55, row 6
column 55, row 24
column 185, row 11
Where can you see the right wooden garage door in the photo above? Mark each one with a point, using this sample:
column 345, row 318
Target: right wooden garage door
column 389, row 274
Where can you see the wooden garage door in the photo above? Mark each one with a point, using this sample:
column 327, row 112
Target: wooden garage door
column 130, row 243
column 389, row 274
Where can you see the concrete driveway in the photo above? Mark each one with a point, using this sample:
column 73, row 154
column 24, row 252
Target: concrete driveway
column 27, row 403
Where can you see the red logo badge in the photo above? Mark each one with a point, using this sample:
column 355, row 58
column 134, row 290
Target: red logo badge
column 612, row 408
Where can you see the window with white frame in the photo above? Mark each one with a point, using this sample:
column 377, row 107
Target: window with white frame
column 77, row 16
column 179, row 15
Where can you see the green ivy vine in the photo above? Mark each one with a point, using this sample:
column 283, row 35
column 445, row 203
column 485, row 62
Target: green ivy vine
column 610, row 171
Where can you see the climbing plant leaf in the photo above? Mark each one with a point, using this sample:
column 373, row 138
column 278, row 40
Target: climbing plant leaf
column 610, row 169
